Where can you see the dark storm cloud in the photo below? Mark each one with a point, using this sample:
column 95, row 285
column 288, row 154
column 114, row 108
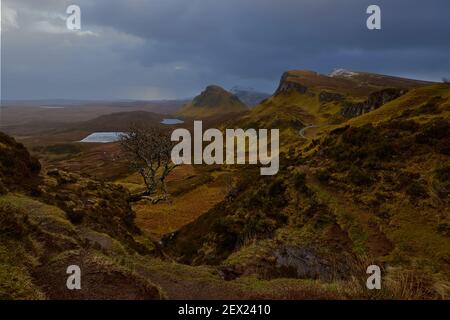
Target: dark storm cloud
column 172, row 48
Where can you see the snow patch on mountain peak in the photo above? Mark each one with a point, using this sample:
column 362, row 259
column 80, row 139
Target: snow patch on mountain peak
column 343, row 73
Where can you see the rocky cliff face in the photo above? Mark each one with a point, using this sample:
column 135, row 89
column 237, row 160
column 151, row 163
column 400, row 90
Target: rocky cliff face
column 326, row 96
column 346, row 83
column 288, row 85
column 374, row 101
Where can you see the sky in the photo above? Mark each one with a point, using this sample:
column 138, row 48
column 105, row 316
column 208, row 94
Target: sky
column 172, row 49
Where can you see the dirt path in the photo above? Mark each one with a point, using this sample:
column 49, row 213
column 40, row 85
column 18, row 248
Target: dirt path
column 192, row 283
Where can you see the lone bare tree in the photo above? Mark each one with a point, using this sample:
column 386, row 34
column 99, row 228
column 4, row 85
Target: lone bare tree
column 148, row 150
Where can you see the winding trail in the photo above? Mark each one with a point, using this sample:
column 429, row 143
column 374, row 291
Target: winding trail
column 302, row 131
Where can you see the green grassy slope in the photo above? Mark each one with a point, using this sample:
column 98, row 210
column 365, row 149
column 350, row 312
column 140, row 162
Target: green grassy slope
column 373, row 189
column 306, row 98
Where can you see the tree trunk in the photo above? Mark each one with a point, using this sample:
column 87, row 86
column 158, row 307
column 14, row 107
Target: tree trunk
column 139, row 196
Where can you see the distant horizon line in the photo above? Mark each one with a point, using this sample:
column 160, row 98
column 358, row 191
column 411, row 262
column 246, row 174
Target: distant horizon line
column 125, row 100
column 68, row 100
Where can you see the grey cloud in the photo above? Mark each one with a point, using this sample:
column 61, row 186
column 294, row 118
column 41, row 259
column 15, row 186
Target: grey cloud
column 172, row 48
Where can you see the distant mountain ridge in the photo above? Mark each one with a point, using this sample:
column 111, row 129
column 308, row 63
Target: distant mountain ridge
column 345, row 82
column 251, row 97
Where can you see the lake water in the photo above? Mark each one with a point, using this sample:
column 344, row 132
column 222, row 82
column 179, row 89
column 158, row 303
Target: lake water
column 172, row 121
column 106, row 137
column 103, row 137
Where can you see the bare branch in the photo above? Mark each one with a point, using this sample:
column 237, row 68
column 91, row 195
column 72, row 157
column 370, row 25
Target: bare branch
column 148, row 150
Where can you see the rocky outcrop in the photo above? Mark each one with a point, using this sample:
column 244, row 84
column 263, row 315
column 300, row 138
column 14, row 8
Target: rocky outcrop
column 326, row 96
column 100, row 206
column 289, row 261
column 288, row 85
column 375, row 100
